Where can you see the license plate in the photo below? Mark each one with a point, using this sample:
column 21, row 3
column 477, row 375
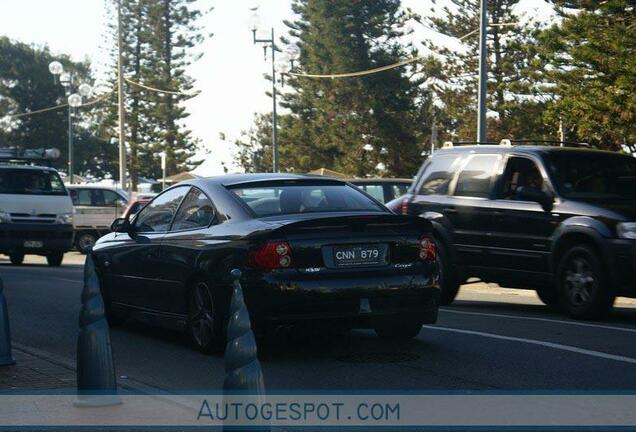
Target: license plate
column 33, row 244
column 359, row 255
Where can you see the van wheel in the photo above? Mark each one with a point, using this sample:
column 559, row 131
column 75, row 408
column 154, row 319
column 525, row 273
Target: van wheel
column 583, row 288
column 16, row 259
column 448, row 281
column 85, row 242
column 205, row 321
column 55, row 259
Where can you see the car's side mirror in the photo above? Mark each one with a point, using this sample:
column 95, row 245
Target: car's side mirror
column 121, row 225
column 546, row 199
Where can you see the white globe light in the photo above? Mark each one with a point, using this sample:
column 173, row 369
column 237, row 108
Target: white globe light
column 254, row 21
column 75, row 100
column 56, row 68
column 84, row 90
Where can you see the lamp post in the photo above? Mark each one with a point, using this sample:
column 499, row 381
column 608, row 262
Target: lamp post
column 269, row 42
column 483, row 72
column 74, row 100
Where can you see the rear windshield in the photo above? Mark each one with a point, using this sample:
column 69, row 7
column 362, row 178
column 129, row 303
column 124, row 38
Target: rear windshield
column 306, row 198
column 30, row 182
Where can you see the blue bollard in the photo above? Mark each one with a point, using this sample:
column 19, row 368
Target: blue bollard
column 243, row 374
column 6, row 358
column 96, row 381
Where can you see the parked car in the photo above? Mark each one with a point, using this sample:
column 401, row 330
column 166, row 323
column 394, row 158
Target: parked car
column 36, row 213
column 96, row 207
column 311, row 250
column 558, row 220
column 383, row 189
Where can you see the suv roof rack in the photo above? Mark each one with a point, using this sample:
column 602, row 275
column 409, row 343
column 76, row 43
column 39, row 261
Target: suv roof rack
column 13, row 155
column 552, row 143
column 451, row 144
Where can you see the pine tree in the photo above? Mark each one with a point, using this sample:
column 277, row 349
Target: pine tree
column 331, row 120
column 512, row 94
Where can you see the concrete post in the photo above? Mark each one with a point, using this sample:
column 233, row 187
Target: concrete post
column 96, row 382
column 6, row 358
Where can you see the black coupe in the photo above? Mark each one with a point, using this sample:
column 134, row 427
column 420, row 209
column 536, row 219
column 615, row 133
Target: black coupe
column 311, row 250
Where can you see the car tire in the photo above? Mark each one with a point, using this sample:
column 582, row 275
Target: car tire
column 85, row 242
column 55, row 259
column 448, row 281
column 398, row 329
column 549, row 296
column 205, row 321
column 583, row 288
column 16, row 259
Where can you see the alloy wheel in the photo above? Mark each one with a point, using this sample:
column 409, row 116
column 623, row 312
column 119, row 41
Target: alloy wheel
column 202, row 315
column 579, row 281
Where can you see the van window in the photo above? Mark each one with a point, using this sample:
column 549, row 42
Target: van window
column 438, row 174
column 375, row 190
column 475, row 178
column 30, row 182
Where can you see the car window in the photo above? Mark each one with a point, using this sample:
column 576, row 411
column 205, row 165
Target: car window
column 520, row 172
column 375, row 190
column 399, row 189
column 81, row 197
column 30, row 182
column 475, row 178
column 196, row 211
column 438, row 174
column 288, row 198
column 158, row 214
column 112, row 199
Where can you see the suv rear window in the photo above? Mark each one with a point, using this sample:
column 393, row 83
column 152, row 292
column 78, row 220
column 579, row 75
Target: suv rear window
column 30, row 182
column 438, row 174
column 273, row 199
column 475, row 178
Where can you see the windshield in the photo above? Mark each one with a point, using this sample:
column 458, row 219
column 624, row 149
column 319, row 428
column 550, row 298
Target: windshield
column 30, row 182
column 290, row 199
column 594, row 175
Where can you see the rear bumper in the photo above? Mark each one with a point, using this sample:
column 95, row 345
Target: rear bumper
column 54, row 238
column 359, row 302
column 623, row 253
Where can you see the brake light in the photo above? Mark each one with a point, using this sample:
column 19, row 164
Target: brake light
column 404, row 207
column 428, row 248
column 271, row 256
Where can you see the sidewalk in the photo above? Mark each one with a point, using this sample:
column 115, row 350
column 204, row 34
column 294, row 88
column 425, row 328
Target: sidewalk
column 34, row 373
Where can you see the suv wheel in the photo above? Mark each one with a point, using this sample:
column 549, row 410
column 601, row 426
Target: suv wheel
column 448, row 281
column 16, row 258
column 55, row 259
column 85, row 241
column 204, row 320
column 583, row 289
column 548, row 295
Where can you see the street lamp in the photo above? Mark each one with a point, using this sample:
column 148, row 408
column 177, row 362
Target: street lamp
column 254, row 23
column 74, row 101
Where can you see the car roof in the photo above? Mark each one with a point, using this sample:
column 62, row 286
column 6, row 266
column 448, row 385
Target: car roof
column 529, row 149
column 92, row 186
column 236, row 179
column 26, row 167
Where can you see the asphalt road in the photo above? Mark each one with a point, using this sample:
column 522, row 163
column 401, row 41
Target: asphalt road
column 490, row 338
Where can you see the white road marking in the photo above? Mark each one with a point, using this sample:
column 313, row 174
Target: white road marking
column 552, row 345
column 527, row 318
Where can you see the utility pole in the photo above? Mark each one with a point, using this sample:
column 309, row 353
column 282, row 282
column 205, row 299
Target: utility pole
column 561, row 131
column 120, row 96
column 433, row 136
column 483, row 73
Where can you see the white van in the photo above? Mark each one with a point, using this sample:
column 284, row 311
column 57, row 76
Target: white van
column 36, row 213
column 96, row 207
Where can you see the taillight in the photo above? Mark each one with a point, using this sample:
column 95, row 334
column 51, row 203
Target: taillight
column 404, row 207
column 271, row 256
column 428, row 249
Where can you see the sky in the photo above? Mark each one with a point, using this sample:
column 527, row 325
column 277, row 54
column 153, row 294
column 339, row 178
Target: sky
column 229, row 75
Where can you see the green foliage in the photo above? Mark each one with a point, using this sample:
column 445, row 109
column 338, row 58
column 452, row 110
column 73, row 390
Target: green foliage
column 27, row 85
column 590, row 58
column 330, row 120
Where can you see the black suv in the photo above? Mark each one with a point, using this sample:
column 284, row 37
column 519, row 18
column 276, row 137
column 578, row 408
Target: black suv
column 558, row 220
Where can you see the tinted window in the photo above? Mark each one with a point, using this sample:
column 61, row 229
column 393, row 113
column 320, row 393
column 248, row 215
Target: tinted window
column 593, row 175
column 81, row 197
column 438, row 174
column 474, row 179
column 195, row 212
column 111, row 199
column 375, row 190
column 520, row 172
column 157, row 216
column 30, row 182
column 399, row 189
column 290, row 199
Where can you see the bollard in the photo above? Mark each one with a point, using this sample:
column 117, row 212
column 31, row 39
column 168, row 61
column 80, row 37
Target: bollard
column 6, row 358
column 243, row 374
column 96, row 382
